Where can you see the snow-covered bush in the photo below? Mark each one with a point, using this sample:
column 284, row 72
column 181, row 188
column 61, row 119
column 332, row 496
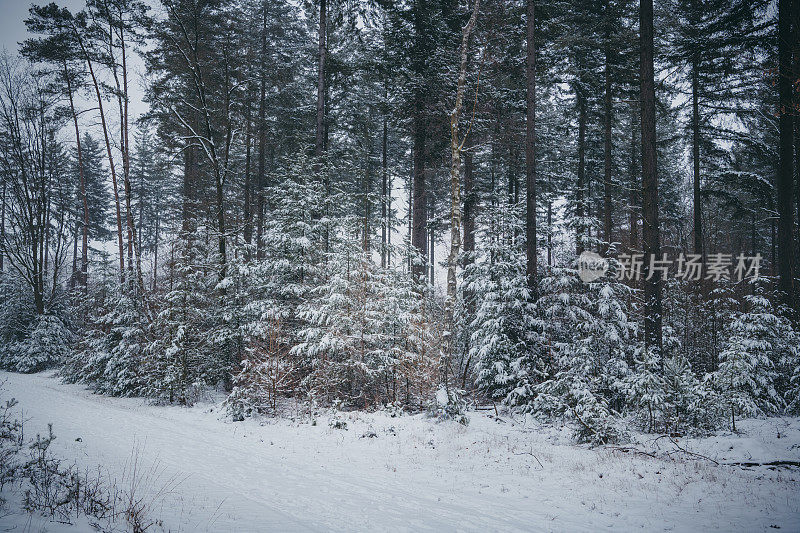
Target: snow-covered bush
column 645, row 387
column 266, row 372
column 176, row 363
column 690, row 404
column 588, row 335
column 756, row 340
column 48, row 343
column 449, row 404
column 500, row 329
column 17, row 313
column 358, row 327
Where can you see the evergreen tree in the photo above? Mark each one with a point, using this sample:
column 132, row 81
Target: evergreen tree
column 746, row 375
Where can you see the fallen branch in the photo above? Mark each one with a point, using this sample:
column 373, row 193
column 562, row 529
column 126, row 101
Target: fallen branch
column 681, row 449
column 633, row 450
column 746, row 464
column 532, row 455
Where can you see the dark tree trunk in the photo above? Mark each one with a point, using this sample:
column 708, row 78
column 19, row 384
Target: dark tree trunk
column 530, row 148
column 319, row 147
column 367, row 190
column 431, row 246
column 633, row 217
column 248, row 216
column 607, row 118
column 419, row 225
column 469, row 205
column 73, row 278
column 262, row 140
column 191, row 176
column 796, row 109
column 650, row 231
column 156, row 237
column 784, row 183
column 385, row 192
column 580, row 207
column 697, row 202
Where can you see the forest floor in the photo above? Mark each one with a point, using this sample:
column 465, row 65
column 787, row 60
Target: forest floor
column 198, row 471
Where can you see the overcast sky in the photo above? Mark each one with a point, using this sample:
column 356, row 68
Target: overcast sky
column 12, row 31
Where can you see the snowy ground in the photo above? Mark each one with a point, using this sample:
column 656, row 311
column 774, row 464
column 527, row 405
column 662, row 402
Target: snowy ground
column 410, row 473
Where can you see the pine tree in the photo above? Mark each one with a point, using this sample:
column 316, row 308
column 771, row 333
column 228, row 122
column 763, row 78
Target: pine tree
column 746, row 375
column 498, row 333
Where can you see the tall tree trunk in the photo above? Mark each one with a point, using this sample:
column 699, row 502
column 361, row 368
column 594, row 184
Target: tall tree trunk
column 784, row 183
column 248, row 216
column 386, row 191
column 633, row 218
column 319, row 147
column 650, row 232
column 607, row 149
column 456, row 146
column 367, row 191
column 384, row 195
column 155, row 244
column 96, row 84
column 73, row 278
column 431, row 243
column 419, row 224
column 580, row 205
column 262, row 139
column 796, row 109
column 530, row 147
column 470, row 204
column 84, row 200
column 134, row 255
column 697, row 201
column 191, row 176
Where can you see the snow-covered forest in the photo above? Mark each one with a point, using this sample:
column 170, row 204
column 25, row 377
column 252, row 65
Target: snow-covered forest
column 577, row 219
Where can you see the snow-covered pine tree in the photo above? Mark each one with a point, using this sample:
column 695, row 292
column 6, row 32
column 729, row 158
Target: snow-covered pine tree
column 755, row 340
column 178, row 361
column 16, row 316
column 29, row 341
column 589, row 335
column 495, row 281
column 344, row 337
column 690, row 404
column 645, row 386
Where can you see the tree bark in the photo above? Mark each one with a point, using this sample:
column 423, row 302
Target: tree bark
column 784, row 180
column 580, row 207
column 697, row 202
column 456, row 146
column 262, row 139
column 650, row 232
column 319, row 147
column 633, row 218
column 469, row 204
column 248, row 216
column 384, row 195
column 84, row 201
column 607, row 148
column 419, row 224
column 531, row 259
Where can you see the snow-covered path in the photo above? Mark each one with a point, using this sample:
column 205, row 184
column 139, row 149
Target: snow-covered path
column 412, row 475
